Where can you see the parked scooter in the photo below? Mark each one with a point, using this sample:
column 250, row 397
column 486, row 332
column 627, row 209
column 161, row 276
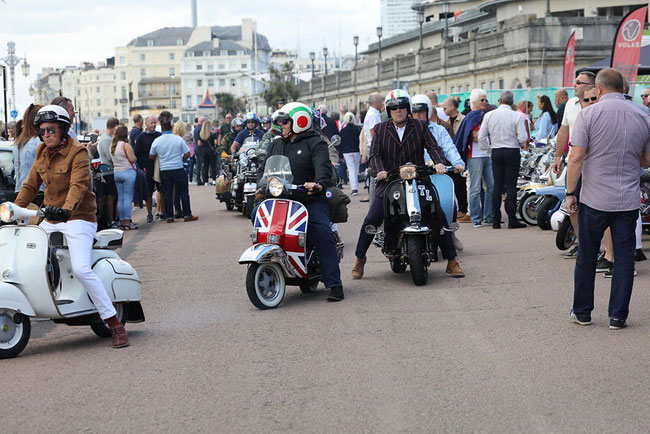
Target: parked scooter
column 413, row 221
column 243, row 184
column 280, row 254
column 37, row 281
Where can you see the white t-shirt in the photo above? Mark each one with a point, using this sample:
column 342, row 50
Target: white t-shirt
column 373, row 117
column 571, row 112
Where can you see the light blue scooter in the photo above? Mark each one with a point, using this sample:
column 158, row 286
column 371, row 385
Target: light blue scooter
column 445, row 188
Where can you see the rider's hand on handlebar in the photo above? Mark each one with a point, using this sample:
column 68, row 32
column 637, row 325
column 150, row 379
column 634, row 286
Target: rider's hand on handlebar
column 56, row 214
column 382, row 175
column 440, row 169
column 459, row 169
column 312, row 187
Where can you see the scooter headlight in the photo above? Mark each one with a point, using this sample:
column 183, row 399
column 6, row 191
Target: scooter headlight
column 275, row 187
column 6, row 212
column 407, row 171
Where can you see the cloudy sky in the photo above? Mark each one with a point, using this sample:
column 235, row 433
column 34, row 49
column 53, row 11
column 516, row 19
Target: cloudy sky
column 59, row 33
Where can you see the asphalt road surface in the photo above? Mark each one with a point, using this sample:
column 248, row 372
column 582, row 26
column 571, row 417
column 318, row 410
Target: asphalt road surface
column 493, row 352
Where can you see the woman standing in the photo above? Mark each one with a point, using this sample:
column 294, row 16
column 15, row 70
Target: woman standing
column 208, row 142
column 546, row 124
column 24, row 150
column 125, row 173
column 350, row 150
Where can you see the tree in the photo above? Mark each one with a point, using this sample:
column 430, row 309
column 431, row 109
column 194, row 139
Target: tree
column 280, row 86
column 227, row 103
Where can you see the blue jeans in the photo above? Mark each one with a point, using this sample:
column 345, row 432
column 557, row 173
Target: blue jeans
column 174, row 184
column 591, row 226
column 320, row 233
column 125, row 183
column 480, row 168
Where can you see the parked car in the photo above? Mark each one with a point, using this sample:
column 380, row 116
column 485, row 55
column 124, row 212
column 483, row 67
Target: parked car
column 7, row 183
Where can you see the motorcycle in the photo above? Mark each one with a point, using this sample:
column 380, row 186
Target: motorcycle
column 281, row 254
column 413, row 220
column 37, row 281
column 242, row 183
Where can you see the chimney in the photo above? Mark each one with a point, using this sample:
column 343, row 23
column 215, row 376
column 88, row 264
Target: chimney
column 193, row 13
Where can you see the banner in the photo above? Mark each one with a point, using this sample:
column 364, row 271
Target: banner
column 627, row 45
column 569, row 61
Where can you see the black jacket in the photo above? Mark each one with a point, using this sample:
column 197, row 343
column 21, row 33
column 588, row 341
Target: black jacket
column 309, row 158
column 143, row 146
column 349, row 139
column 330, row 129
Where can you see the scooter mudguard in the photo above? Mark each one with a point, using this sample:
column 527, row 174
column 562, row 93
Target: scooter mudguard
column 260, row 253
column 445, row 187
column 12, row 298
column 552, row 191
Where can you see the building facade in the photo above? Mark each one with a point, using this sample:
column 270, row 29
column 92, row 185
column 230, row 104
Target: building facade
column 397, row 17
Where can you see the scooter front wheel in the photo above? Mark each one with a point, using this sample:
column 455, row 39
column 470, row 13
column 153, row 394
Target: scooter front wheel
column 265, row 285
column 416, row 250
column 15, row 330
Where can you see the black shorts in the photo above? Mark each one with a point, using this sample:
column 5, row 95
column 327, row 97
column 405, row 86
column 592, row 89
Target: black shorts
column 109, row 185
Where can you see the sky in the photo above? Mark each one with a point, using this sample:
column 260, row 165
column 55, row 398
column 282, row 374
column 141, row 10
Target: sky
column 60, row 33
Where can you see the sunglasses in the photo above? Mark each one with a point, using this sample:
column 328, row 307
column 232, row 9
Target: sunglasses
column 483, row 100
column 581, row 82
column 593, row 98
column 644, row 96
column 284, row 121
column 49, row 130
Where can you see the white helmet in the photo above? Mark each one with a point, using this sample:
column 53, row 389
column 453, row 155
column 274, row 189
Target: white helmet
column 53, row 113
column 420, row 103
column 397, row 98
column 298, row 113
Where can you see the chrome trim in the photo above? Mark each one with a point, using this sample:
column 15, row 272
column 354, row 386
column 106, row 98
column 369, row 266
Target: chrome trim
column 261, row 253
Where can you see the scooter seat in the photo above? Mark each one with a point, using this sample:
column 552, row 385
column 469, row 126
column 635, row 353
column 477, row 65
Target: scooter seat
column 108, row 239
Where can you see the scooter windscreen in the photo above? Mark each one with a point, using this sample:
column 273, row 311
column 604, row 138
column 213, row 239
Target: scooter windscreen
column 277, row 166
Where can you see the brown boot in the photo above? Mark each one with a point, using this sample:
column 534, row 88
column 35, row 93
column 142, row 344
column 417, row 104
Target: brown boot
column 120, row 338
column 453, row 269
column 357, row 268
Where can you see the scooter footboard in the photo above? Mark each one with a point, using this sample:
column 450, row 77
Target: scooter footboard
column 13, row 298
column 261, row 253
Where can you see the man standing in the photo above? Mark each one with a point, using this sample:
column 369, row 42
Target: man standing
column 561, row 97
column 450, row 106
column 172, row 151
column 478, row 161
column 327, row 125
column 142, row 147
column 439, row 110
column 645, row 97
column 225, row 127
column 610, row 192
column 572, row 109
column 503, row 132
column 136, row 130
column 395, row 142
column 67, row 104
column 198, row 151
column 373, row 117
column 110, row 189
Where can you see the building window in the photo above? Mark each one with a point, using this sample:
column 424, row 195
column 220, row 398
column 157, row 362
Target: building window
column 493, row 84
column 98, row 89
column 142, row 57
column 223, row 53
column 483, row 85
column 501, row 83
column 179, row 42
column 199, row 67
column 143, row 72
column 99, row 102
column 122, row 60
column 453, row 89
column 240, row 53
column 122, row 75
column 97, row 77
column 232, row 82
column 199, row 99
column 199, row 83
column 123, row 92
column 172, row 88
column 173, row 103
column 172, row 71
column 189, row 54
column 467, row 87
column 206, row 54
column 188, row 101
column 222, row 82
column 210, row 82
column 171, row 56
column 222, row 66
column 149, row 42
column 244, row 66
column 210, row 67
column 78, row 92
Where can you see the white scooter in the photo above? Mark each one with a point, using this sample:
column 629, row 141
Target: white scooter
column 37, row 281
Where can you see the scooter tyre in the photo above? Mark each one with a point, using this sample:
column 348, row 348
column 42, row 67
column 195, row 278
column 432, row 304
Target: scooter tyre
column 255, row 273
column 229, row 205
column 12, row 350
column 102, row 330
column 528, row 209
column 397, row 266
column 543, row 217
column 565, row 236
column 416, row 250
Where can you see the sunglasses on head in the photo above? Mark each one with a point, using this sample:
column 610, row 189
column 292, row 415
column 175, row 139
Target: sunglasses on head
column 49, row 130
column 593, row 98
column 581, row 82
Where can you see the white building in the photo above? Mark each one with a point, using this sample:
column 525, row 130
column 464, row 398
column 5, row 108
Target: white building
column 397, row 16
column 226, row 59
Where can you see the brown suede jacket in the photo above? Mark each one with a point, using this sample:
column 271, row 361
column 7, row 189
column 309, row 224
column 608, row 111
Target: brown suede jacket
column 67, row 179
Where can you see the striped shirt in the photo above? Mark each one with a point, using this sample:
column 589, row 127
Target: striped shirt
column 388, row 152
column 614, row 133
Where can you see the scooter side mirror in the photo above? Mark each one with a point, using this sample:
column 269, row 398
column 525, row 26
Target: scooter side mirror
column 371, row 230
column 335, row 140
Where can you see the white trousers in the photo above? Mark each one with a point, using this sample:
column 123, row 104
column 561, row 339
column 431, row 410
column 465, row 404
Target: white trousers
column 352, row 161
column 79, row 235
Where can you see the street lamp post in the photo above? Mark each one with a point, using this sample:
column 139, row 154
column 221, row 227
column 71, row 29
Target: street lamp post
column 420, row 17
column 355, row 41
column 312, row 57
column 11, row 60
column 4, row 91
column 380, row 32
column 171, row 82
column 325, row 57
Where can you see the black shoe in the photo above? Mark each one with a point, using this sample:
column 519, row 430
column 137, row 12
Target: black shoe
column 603, row 265
column 364, row 200
column 583, row 320
column 516, row 224
column 616, row 324
column 336, row 294
column 572, row 254
column 639, row 256
column 496, row 225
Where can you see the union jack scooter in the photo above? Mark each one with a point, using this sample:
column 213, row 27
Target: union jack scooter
column 280, row 254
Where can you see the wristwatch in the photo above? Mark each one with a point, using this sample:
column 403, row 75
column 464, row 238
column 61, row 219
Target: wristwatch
column 570, row 194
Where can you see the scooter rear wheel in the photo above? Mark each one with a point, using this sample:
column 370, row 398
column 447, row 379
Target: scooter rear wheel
column 265, row 285
column 565, row 236
column 397, row 266
column 101, row 329
column 544, row 212
column 13, row 336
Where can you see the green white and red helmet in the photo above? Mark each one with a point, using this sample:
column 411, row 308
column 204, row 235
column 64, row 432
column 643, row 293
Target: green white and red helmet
column 298, row 113
column 397, row 98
